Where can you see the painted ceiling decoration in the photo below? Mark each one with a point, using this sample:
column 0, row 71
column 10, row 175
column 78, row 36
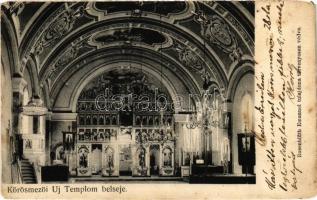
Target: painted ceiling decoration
column 151, row 7
column 59, row 28
column 216, row 31
column 205, row 41
column 140, row 35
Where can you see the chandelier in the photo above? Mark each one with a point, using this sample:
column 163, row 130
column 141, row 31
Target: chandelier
column 208, row 117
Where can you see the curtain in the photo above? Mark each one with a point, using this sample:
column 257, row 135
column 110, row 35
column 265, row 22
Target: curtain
column 191, row 139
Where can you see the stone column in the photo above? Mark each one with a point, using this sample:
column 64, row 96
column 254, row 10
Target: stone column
column 180, row 121
column 48, row 138
column 18, row 85
column 228, row 113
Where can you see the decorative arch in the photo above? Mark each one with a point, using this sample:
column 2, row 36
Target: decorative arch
column 9, row 39
column 196, row 43
column 102, row 57
column 242, row 69
column 167, row 83
column 32, row 69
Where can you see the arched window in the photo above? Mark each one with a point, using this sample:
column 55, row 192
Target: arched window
column 94, row 120
column 114, row 120
column 101, row 120
column 107, row 120
column 81, row 120
column 88, row 120
column 137, row 120
column 247, row 111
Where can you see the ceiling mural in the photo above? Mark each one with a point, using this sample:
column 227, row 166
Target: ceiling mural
column 234, row 22
column 204, row 40
column 67, row 56
column 59, row 28
column 140, row 35
column 217, row 31
column 163, row 8
column 178, row 51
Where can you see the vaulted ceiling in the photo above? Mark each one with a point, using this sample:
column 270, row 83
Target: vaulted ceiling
column 190, row 41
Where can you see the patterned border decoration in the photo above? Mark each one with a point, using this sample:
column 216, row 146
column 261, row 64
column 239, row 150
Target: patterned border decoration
column 42, row 29
column 183, row 57
column 57, row 29
column 232, row 21
column 216, row 31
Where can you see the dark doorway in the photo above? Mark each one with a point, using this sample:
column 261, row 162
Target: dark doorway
column 96, row 158
column 154, row 159
column 125, row 165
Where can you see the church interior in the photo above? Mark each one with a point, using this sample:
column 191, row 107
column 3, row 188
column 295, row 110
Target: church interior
column 127, row 91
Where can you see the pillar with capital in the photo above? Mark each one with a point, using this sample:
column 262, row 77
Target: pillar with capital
column 180, row 121
column 227, row 125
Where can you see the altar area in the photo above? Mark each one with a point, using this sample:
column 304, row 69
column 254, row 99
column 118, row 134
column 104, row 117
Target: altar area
column 115, row 151
column 129, row 91
column 125, row 126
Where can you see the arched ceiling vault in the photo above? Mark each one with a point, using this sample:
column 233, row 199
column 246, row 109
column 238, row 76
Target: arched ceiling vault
column 192, row 40
column 128, row 55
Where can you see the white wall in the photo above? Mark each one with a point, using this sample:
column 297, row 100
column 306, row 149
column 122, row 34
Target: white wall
column 6, row 122
column 244, row 87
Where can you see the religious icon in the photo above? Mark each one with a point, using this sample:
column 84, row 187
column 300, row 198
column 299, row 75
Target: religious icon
column 83, row 157
column 81, row 120
column 138, row 121
column 81, row 135
column 107, row 120
column 60, row 153
column 142, row 157
column 95, row 134
column 109, row 157
column 28, row 144
column 107, row 134
column 101, row 120
column 246, row 144
column 94, row 120
column 88, row 134
column 246, row 152
column 101, row 135
column 88, row 120
column 187, row 159
column 68, row 140
column 167, row 157
column 114, row 120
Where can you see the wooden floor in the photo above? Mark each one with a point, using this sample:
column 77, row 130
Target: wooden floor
column 223, row 179
column 154, row 179
column 214, row 179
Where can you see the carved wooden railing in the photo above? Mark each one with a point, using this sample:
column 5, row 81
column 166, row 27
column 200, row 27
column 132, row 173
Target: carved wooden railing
column 37, row 171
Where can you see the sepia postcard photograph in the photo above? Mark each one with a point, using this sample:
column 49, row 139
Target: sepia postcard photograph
column 158, row 99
